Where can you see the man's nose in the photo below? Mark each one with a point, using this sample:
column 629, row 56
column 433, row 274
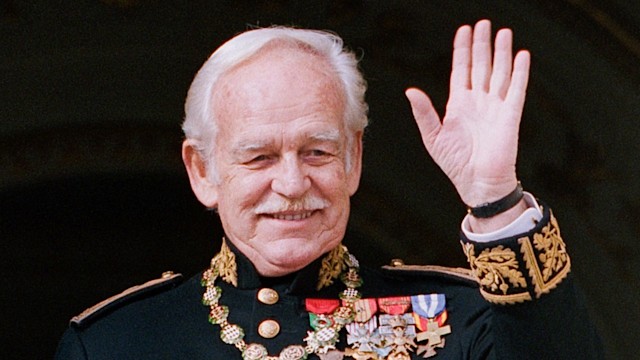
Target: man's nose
column 291, row 180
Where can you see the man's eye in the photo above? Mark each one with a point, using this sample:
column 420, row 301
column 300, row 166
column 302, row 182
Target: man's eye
column 317, row 152
column 259, row 158
column 317, row 156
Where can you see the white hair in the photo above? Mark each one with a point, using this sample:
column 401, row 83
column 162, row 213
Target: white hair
column 200, row 123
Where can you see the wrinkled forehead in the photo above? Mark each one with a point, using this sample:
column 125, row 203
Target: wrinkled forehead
column 280, row 77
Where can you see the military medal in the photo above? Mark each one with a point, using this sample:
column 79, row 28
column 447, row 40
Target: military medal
column 395, row 305
column 397, row 327
column 431, row 316
column 428, row 306
column 362, row 333
column 365, row 309
column 322, row 321
column 321, row 306
column 320, row 311
column 422, row 323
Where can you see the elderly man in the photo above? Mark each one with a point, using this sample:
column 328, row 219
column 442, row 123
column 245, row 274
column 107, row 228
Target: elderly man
column 274, row 124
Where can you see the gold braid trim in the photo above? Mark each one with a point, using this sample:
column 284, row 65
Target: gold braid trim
column 332, row 266
column 554, row 262
column 502, row 276
column 224, row 264
column 505, row 299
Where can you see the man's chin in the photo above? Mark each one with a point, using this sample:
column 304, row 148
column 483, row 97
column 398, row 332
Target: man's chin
column 278, row 256
column 292, row 260
column 287, row 256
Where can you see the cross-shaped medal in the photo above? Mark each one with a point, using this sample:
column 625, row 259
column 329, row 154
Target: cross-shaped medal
column 434, row 333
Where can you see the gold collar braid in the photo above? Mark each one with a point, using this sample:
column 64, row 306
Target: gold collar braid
column 333, row 264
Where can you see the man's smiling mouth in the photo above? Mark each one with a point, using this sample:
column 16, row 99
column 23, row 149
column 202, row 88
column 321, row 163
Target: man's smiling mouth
column 292, row 217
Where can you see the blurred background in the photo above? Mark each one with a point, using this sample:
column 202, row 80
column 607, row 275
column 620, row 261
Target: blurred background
column 94, row 198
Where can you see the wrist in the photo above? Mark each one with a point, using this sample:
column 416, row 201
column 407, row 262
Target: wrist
column 493, row 208
column 497, row 222
column 483, row 231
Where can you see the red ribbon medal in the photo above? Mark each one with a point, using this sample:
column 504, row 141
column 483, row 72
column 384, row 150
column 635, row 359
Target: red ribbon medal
column 397, row 305
column 321, row 306
column 320, row 311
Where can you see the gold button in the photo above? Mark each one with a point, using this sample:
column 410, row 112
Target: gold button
column 268, row 296
column 397, row 262
column 268, row 329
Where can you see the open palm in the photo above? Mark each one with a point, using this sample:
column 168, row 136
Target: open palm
column 476, row 142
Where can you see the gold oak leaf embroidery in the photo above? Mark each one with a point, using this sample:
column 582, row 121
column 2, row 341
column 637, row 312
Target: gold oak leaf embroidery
column 224, row 264
column 552, row 249
column 332, row 266
column 496, row 268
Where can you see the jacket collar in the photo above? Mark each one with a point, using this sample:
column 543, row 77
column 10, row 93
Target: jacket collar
column 318, row 275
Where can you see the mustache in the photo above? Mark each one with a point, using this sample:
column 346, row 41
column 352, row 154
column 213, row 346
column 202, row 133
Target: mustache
column 277, row 205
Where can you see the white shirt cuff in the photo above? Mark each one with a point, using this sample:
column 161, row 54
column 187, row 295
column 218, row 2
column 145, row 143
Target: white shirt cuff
column 522, row 224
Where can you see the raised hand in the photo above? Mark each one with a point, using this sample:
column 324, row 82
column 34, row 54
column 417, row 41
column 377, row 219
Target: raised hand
column 476, row 143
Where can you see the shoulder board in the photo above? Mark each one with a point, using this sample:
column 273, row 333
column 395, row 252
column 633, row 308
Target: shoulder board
column 458, row 273
column 167, row 280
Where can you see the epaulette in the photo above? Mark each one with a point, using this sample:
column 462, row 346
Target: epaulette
column 166, row 281
column 466, row 275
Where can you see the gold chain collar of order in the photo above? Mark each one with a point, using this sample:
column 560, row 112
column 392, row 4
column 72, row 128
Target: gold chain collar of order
column 319, row 341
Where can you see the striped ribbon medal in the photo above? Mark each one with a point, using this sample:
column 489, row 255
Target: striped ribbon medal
column 397, row 327
column 431, row 315
column 362, row 333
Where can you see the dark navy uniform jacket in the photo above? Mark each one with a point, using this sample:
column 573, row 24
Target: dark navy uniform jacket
column 166, row 319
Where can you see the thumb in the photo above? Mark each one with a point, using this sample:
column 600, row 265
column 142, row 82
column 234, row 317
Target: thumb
column 425, row 115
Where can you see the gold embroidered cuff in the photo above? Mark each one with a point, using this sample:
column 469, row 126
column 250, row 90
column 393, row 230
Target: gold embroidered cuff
column 520, row 268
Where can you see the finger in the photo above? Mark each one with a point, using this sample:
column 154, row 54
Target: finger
column 519, row 80
column 481, row 55
column 502, row 61
column 426, row 116
column 461, row 63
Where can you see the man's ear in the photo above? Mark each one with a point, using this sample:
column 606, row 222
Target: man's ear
column 353, row 176
column 205, row 190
